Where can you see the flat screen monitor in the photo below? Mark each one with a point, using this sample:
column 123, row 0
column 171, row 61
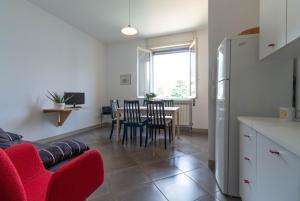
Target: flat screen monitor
column 76, row 99
column 296, row 97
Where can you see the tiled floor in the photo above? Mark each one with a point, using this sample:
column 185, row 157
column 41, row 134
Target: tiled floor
column 132, row 173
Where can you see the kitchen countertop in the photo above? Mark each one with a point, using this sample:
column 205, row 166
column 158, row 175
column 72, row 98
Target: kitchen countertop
column 284, row 133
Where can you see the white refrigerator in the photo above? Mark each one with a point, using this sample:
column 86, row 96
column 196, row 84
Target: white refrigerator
column 245, row 87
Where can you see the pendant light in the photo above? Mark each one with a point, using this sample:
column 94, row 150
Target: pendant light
column 129, row 30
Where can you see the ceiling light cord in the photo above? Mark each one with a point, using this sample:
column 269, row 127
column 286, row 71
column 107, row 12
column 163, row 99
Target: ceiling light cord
column 129, row 8
column 129, row 31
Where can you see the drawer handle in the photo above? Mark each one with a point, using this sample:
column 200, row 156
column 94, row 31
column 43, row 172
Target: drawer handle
column 272, row 45
column 246, row 181
column 247, row 158
column 247, row 136
column 274, row 152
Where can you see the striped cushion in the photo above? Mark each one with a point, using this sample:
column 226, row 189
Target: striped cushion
column 8, row 137
column 59, row 151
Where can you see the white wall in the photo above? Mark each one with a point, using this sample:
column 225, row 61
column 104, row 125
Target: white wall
column 200, row 110
column 122, row 59
column 225, row 18
column 169, row 40
column 39, row 52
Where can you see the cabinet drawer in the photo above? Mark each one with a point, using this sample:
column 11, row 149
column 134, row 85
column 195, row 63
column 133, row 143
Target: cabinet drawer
column 278, row 172
column 248, row 142
column 247, row 181
column 248, row 168
column 248, row 187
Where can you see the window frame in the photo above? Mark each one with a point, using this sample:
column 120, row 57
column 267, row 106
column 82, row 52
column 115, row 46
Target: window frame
column 150, row 88
column 190, row 46
column 194, row 45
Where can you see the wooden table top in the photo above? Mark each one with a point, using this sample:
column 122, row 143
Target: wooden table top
column 59, row 110
column 144, row 108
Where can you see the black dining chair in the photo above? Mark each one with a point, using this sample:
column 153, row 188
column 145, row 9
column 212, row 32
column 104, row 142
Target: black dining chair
column 169, row 103
column 145, row 102
column 114, row 104
column 156, row 120
column 132, row 120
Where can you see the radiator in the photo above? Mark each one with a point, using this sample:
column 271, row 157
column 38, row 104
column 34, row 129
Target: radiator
column 185, row 113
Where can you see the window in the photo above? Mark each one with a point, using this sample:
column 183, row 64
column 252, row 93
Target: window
column 144, row 64
column 169, row 73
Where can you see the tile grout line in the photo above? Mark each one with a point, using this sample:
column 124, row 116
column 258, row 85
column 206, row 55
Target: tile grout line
column 211, row 195
column 162, row 157
column 161, row 192
column 197, row 183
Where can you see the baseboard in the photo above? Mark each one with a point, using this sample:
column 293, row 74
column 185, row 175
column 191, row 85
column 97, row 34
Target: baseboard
column 193, row 130
column 68, row 134
column 200, row 130
column 185, row 129
column 106, row 124
column 212, row 165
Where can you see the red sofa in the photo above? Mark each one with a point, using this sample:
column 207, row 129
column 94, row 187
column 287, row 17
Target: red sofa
column 24, row 178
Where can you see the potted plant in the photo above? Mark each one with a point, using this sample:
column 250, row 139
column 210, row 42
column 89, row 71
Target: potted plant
column 58, row 101
column 150, row 96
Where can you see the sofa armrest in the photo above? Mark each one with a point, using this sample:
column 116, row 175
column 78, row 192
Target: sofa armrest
column 26, row 160
column 77, row 179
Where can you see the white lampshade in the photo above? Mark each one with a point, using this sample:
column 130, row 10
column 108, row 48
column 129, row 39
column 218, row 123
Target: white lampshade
column 129, row 31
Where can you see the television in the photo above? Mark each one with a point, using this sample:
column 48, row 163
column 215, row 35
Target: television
column 296, row 85
column 76, row 99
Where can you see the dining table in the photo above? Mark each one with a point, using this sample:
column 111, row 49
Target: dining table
column 170, row 111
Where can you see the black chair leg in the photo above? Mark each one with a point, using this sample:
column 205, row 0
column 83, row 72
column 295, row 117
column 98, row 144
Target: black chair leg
column 112, row 129
column 120, row 126
column 146, row 140
column 170, row 134
column 151, row 130
column 141, row 136
column 124, row 133
column 134, row 134
column 165, row 133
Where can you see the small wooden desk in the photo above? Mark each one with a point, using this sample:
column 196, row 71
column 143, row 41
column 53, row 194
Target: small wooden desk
column 172, row 111
column 62, row 114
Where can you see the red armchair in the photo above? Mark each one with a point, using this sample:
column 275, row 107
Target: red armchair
column 24, row 178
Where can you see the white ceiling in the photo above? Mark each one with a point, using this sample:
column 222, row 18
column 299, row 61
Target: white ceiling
column 104, row 19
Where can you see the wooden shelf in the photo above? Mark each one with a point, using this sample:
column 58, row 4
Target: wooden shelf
column 62, row 114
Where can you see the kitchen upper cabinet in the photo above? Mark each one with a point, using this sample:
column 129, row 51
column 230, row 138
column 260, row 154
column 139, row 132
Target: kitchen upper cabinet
column 278, row 172
column 293, row 20
column 272, row 26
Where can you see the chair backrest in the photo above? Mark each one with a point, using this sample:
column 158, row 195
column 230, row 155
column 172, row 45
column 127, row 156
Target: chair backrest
column 114, row 104
column 145, row 102
column 168, row 103
column 132, row 112
column 11, row 187
column 156, row 114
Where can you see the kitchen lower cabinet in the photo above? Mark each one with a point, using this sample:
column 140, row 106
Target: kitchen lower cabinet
column 247, row 181
column 278, row 177
column 268, row 172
